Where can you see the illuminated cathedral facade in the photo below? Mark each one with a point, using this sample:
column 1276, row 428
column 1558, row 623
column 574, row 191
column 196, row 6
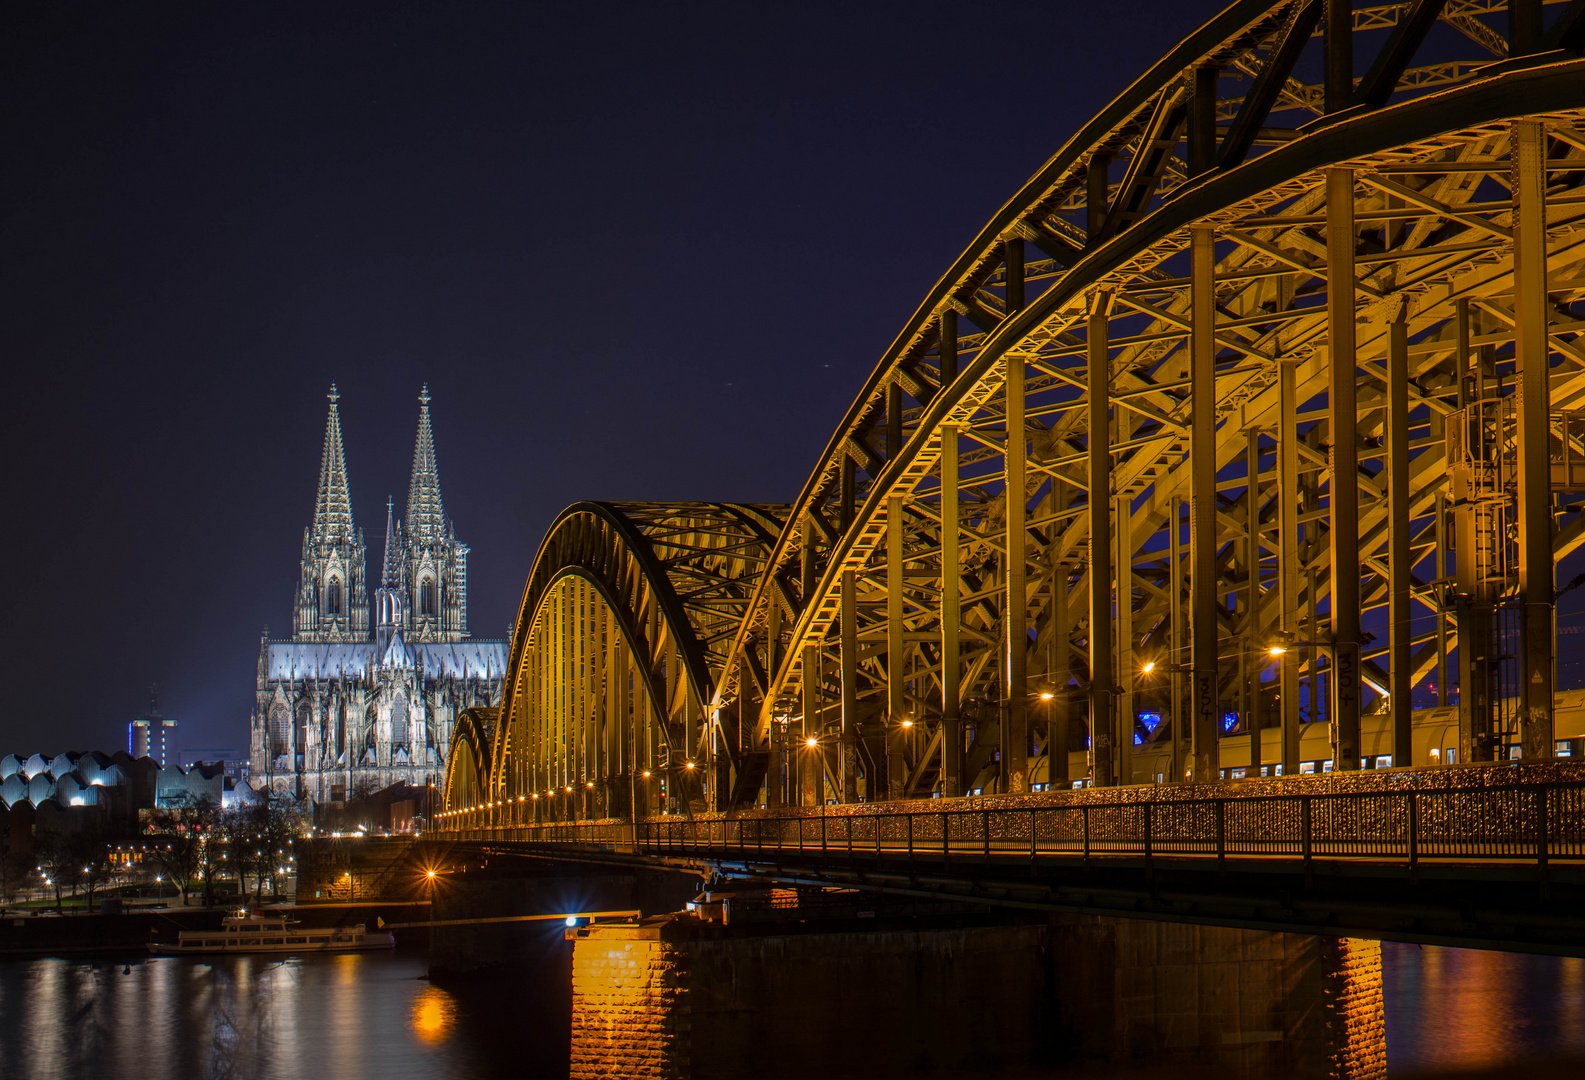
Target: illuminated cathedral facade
column 350, row 704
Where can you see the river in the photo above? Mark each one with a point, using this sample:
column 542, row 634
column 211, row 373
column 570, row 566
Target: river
column 376, row 1016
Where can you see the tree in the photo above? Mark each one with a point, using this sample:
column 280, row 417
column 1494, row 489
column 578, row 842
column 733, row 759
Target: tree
column 282, row 822
column 180, row 842
column 90, row 851
column 239, row 826
column 56, row 861
column 14, row 873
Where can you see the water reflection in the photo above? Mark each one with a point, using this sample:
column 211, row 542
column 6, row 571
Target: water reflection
column 1455, row 1009
column 376, row 1016
column 433, row 1016
column 347, row 1016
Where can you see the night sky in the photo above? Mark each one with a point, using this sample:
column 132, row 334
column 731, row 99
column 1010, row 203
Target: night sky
column 636, row 251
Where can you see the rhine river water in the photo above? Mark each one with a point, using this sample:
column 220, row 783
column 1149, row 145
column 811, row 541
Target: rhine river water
column 376, row 1016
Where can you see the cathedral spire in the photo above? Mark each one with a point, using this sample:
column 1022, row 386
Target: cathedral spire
column 333, row 507
column 391, row 572
column 426, row 518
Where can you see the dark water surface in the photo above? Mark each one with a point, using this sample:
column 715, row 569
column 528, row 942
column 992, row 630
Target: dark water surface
column 375, row 1016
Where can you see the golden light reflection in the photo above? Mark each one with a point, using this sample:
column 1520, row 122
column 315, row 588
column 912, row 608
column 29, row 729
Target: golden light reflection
column 433, row 1016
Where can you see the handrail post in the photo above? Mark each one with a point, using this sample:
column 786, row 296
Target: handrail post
column 910, row 819
column 985, row 835
column 1147, row 831
column 1541, row 850
column 1221, row 831
column 1305, row 822
column 946, row 844
column 1031, row 835
column 1414, row 829
column 1086, row 809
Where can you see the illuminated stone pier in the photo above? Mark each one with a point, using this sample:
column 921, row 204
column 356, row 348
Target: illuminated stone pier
column 686, row 998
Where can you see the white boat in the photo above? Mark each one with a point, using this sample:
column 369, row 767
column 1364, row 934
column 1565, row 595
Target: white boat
column 252, row 933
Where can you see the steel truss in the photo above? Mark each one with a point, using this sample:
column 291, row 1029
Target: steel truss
column 1227, row 290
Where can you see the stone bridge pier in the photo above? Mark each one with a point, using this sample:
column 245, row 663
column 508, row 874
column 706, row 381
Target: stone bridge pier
column 681, row 997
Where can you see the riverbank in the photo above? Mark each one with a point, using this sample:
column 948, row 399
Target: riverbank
column 110, row 935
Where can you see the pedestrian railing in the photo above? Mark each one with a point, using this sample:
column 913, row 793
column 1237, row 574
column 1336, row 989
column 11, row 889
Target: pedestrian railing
column 1528, row 822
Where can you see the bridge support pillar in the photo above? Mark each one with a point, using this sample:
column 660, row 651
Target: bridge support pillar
column 687, row 999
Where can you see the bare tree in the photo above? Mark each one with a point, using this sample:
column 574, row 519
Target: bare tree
column 182, row 844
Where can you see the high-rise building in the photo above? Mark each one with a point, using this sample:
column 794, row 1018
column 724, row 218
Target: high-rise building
column 152, row 736
column 342, row 709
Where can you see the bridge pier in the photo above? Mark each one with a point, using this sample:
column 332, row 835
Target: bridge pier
column 684, row 998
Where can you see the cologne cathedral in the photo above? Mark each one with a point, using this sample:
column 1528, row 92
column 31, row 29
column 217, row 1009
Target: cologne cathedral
column 349, row 705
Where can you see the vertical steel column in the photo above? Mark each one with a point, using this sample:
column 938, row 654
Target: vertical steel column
column 1251, row 649
column 811, row 764
column 1015, row 702
column 811, row 759
column 951, row 620
column 1339, row 36
column 1013, row 250
column 847, row 748
column 775, row 781
column 1123, row 571
column 1178, row 716
column 1288, row 557
column 1203, row 621
column 1441, row 541
column 1399, row 559
column 897, row 707
column 1102, row 677
column 1532, row 354
column 949, row 347
column 1474, row 630
column 1057, row 724
column 1343, row 424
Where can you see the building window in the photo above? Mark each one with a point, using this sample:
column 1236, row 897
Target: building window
column 304, row 715
column 341, row 729
column 280, row 727
column 333, row 597
column 426, row 597
column 399, row 722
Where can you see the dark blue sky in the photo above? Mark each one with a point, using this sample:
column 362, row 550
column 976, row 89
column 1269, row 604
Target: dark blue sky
column 638, row 251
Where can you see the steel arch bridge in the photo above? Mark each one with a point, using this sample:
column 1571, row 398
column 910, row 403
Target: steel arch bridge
column 1257, row 410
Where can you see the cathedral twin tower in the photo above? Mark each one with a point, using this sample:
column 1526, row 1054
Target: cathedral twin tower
column 341, row 711
column 423, row 589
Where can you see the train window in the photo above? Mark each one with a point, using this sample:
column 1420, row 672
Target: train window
column 1450, row 756
column 1515, row 751
column 1564, row 748
column 1276, row 770
column 1306, row 767
column 1384, row 761
column 1326, row 766
column 1436, row 756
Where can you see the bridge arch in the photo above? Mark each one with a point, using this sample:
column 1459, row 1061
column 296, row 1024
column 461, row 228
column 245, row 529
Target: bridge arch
column 466, row 793
column 922, row 665
column 1108, row 442
column 620, row 639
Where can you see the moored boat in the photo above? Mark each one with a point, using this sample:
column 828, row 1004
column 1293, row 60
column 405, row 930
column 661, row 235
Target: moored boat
column 252, row 933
